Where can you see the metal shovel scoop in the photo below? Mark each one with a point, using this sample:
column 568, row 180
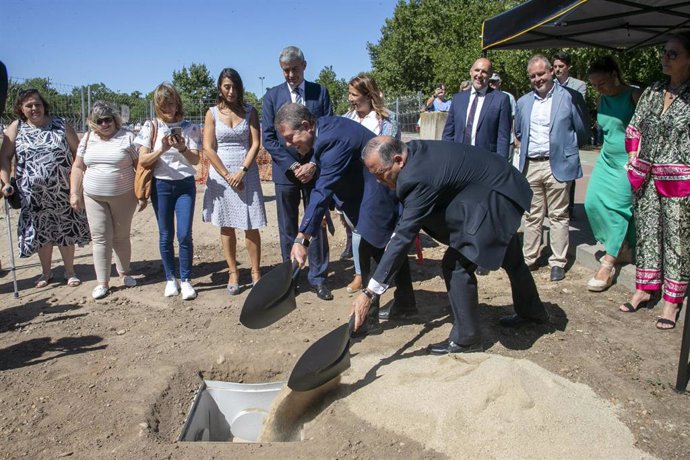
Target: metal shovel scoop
column 324, row 359
column 271, row 298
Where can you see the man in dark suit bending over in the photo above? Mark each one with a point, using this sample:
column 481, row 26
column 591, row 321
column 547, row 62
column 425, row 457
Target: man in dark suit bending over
column 468, row 200
column 294, row 174
column 337, row 145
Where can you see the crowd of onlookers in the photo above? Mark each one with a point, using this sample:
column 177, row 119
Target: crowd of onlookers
column 73, row 191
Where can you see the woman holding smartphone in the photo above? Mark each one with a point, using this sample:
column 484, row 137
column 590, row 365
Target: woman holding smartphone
column 173, row 192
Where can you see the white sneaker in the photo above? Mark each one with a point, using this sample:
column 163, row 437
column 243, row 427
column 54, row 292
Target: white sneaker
column 188, row 292
column 128, row 281
column 99, row 292
column 171, row 288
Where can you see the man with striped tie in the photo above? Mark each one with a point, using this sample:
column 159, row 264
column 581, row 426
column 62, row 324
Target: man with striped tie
column 294, row 175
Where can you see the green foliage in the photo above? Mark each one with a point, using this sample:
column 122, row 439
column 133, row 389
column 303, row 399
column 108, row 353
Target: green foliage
column 252, row 99
column 194, row 84
column 432, row 41
column 337, row 88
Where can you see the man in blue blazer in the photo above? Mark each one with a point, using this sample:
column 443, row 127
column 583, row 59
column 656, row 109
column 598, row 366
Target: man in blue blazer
column 490, row 122
column 293, row 174
column 337, row 144
column 551, row 122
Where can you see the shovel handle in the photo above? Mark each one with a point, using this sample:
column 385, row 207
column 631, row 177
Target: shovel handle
column 295, row 269
column 351, row 323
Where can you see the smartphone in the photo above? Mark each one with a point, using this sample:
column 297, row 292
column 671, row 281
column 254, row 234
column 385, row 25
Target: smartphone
column 176, row 133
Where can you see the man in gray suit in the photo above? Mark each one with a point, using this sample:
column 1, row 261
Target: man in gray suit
column 551, row 123
column 561, row 67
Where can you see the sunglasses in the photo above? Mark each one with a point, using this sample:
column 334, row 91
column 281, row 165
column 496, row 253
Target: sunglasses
column 671, row 54
column 104, row 120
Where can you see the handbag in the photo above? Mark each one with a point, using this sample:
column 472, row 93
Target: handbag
column 14, row 200
column 143, row 178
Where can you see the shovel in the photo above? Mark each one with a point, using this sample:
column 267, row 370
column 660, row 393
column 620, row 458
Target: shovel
column 271, row 298
column 325, row 359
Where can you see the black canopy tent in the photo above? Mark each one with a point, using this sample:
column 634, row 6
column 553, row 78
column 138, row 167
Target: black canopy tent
column 611, row 24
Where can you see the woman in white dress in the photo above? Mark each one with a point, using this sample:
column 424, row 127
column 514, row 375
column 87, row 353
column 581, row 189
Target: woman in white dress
column 233, row 197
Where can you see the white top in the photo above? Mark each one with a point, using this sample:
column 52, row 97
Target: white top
column 109, row 163
column 171, row 165
column 370, row 120
column 539, row 125
column 480, row 102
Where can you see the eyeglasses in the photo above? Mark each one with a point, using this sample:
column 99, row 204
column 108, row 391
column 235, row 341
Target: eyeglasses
column 671, row 54
column 104, row 120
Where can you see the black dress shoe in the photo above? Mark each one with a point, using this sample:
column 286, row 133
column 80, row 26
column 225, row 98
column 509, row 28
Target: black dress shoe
column 533, row 267
column 323, row 292
column 398, row 315
column 557, row 273
column 519, row 321
column 481, row 271
column 448, row 346
column 370, row 327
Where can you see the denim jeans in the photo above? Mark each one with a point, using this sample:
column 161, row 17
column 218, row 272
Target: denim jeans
column 173, row 199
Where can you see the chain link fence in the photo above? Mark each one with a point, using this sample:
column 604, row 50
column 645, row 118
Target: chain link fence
column 406, row 110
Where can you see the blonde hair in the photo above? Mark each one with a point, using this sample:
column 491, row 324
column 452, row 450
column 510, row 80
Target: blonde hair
column 102, row 109
column 165, row 92
column 366, row 86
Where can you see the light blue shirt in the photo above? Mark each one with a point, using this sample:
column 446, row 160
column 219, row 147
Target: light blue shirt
column 539, row 125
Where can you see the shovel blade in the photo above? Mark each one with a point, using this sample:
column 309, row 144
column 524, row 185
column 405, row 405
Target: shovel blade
column 322, row 361
column 271, row 298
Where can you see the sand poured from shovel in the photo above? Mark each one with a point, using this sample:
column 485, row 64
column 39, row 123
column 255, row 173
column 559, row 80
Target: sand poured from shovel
column 485, row 406
column 291, row 409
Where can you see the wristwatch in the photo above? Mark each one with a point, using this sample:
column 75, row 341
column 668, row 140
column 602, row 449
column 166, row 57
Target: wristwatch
column 303, row 241
column 244, row 168
column 370, row 294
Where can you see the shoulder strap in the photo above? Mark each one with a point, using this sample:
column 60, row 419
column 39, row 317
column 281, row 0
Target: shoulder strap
column 154, row 132
column 86, row 142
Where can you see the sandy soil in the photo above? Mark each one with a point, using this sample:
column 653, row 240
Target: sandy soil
column 114, row 378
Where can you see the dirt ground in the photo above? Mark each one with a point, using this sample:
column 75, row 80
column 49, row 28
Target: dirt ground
column 114, row 378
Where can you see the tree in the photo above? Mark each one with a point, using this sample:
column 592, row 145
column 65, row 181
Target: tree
column 252, row 99
column 432, row 41
column 336, row 88
column 194, row 84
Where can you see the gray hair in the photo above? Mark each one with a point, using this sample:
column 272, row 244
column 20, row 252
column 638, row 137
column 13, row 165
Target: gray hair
column 102, row 109
column 291, row 54
column 386, row 146
column 292, row 115
column 539, row 57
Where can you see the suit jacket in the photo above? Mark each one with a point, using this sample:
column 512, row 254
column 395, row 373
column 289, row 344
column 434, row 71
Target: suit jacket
column 460, row 196
column 576, row 85
column 568, row 130
column 316, row 99
column 493, row 128
column 344, row 179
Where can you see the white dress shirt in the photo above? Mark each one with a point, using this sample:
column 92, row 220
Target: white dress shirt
column 293, row 96
column 474, row 93
column 539, row 125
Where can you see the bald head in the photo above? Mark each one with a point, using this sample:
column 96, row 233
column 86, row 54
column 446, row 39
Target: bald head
column 480, row 73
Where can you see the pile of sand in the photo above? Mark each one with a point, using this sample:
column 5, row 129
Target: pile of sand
column 484, row 406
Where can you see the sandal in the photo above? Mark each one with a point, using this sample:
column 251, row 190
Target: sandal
column 668, row 322
column 72, row 280
column 43, row 280
column 596, row 285
column 233, row 288
column 128, row 281
column 627, row 307
column 258, row 274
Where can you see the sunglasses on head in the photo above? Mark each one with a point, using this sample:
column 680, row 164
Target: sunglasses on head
column 104, row 120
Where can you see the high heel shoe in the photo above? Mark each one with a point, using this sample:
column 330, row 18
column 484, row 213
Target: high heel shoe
column 254, row 281
column 596, row 285
column 233, row 289
column 668, row 322
column 355, row 285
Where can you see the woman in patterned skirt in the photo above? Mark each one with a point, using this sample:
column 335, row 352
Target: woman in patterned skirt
column 658, row 144
column 233, row 197
column 43, row 147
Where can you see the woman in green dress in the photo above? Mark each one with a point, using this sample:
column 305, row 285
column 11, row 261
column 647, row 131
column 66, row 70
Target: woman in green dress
column 608, row 202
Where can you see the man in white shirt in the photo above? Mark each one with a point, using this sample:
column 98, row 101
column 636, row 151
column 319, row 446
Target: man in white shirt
column 551, row 123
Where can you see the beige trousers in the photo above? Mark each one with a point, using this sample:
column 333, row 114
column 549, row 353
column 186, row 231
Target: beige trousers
column 110, row 221
column 550, row 198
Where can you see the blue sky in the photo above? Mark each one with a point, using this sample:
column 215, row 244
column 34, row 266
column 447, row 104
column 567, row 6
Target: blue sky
column 134, row 45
